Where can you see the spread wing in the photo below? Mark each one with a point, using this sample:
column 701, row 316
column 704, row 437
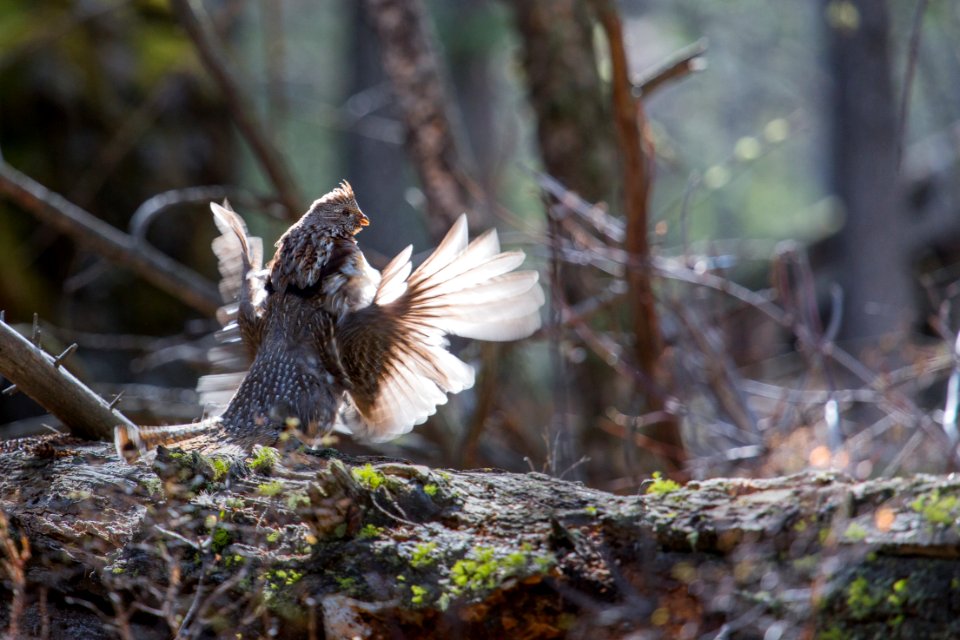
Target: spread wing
column 240, row 261
column 394, row 351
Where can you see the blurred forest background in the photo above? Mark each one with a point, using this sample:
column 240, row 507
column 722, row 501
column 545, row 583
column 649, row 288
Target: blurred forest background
column 793, row 168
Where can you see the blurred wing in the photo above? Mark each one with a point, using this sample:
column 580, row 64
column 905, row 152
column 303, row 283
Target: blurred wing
column 240, row 260
column 238, row 254
column 394, row 352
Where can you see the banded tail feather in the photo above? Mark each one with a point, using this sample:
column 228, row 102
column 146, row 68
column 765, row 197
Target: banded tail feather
column 132, row 442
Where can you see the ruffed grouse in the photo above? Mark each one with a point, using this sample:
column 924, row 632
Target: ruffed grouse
column 334, row 342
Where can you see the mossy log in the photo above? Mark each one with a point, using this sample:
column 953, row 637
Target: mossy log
column 315, row 544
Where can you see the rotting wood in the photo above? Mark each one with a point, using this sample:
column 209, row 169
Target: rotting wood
column 383, row 548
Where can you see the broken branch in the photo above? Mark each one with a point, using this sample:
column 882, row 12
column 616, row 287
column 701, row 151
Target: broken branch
column 38, row 374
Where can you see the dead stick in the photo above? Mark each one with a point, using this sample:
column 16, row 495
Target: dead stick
column 636, row 157
column 36, row 374
column 153, row 266
column 682, row 63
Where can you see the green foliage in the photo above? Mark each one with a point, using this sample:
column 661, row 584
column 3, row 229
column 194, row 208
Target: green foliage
column 369, row 531
column 221, row 539
column 264, row 459
column 661, row 486
column 870, row 600
column 855, row 532
column 483, row 570
column 297, row 499
column 271, row 488
column 430, row 489
column 423, row 555
column 935, row 509
column 152, row 484
column 899, row 589
column 418, row 593
column 368, row 477
column 860, row 600
column 285, row 577
column 346, row 583
column 221, row 467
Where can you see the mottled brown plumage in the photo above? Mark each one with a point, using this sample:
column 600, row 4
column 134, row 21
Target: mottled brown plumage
column 335, row 343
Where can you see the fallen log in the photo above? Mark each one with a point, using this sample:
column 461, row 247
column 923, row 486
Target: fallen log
column 315, row 544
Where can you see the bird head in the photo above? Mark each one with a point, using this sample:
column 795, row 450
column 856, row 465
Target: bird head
column 337, row 212
column 306, row 248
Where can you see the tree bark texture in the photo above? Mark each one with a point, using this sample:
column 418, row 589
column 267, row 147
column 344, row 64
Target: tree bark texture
column 574, row 126
column 41, row 377
column 333, row 547
column 872, row 257
column 418, row 81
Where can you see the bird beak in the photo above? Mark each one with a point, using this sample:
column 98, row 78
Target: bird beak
column 364, row 220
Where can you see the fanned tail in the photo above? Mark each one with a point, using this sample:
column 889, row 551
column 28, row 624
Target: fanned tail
column 395, row 352
column 240, row 258
column 237, row 252
column 132, row 441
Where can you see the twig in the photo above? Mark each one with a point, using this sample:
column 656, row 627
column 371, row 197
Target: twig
column 176, row 536
column 149, row 208
column 486, row 391
column 14, row 562
column 56, row 389
column 152, row 265
column 116, row 400
column 274, row 51
column 912, row 54
column 558, row 438
column 63, row 356
column 682, row 63
column 609, row 226
column 243, row 112
column 718, row 370
column 583, row 311
column 197, row 599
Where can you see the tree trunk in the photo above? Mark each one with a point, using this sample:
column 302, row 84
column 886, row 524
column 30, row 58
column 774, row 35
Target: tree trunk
column 418, row 80
column 383, row 549
column 872, row 253
column 574, row 126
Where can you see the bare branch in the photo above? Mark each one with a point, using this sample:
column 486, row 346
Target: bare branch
column 636, row 152
column 912, row 53
column 681, row 64
column 56, row 389
column 153, row 266
column 156, row 204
